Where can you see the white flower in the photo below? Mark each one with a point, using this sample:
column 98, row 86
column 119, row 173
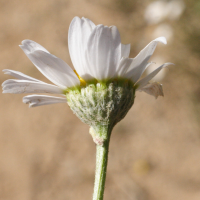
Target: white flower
column 97, row 55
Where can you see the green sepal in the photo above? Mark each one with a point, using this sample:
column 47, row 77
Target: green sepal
column 102, row 104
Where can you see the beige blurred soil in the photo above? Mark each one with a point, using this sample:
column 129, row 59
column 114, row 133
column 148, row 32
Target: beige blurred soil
column 46, row 153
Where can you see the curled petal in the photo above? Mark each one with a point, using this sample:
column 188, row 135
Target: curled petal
column 41, row 100
column 155, row 89
column 140, row 61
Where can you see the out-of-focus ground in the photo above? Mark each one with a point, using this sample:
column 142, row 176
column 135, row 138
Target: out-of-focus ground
column 46, row 152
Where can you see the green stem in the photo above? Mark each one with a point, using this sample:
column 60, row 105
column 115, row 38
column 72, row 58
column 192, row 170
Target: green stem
column 101, row 167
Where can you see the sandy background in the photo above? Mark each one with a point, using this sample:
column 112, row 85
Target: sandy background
column 46, row 153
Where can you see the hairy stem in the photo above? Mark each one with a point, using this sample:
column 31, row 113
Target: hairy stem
column 101, row 167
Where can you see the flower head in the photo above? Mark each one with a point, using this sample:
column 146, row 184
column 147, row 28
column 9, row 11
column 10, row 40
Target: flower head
column 102, row 87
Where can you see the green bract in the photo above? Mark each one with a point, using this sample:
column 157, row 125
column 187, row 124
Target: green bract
column 102, row 104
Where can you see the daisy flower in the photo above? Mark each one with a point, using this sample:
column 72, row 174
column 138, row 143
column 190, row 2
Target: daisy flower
column 96, row 53
column 102, row 87
column 100, row 90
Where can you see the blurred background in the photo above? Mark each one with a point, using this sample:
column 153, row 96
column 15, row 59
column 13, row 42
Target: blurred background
column 46, row 152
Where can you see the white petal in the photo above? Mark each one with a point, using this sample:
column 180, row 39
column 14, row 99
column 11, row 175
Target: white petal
column 137, row 71
column 104, row 52
column 55, row 69
column 155, row 89
column 79, row 32
column 29, row 46
column 123, row 66
column 40, row 100
column 23, row 86
column 20, row 75
column 125, row 50
column 140, row 61
column 146, row 79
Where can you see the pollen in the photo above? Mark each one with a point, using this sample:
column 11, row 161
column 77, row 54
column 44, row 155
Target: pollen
column 83, row 83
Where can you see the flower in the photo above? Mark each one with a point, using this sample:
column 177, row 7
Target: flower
column 97, row 55
column 101, row 89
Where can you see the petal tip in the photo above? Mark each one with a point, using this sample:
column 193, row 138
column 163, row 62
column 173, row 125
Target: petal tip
column 26, row 41
column 75, row 19
column 161, row 39
column 167, row 64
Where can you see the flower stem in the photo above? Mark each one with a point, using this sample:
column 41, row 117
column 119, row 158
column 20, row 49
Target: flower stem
column 101, row 167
